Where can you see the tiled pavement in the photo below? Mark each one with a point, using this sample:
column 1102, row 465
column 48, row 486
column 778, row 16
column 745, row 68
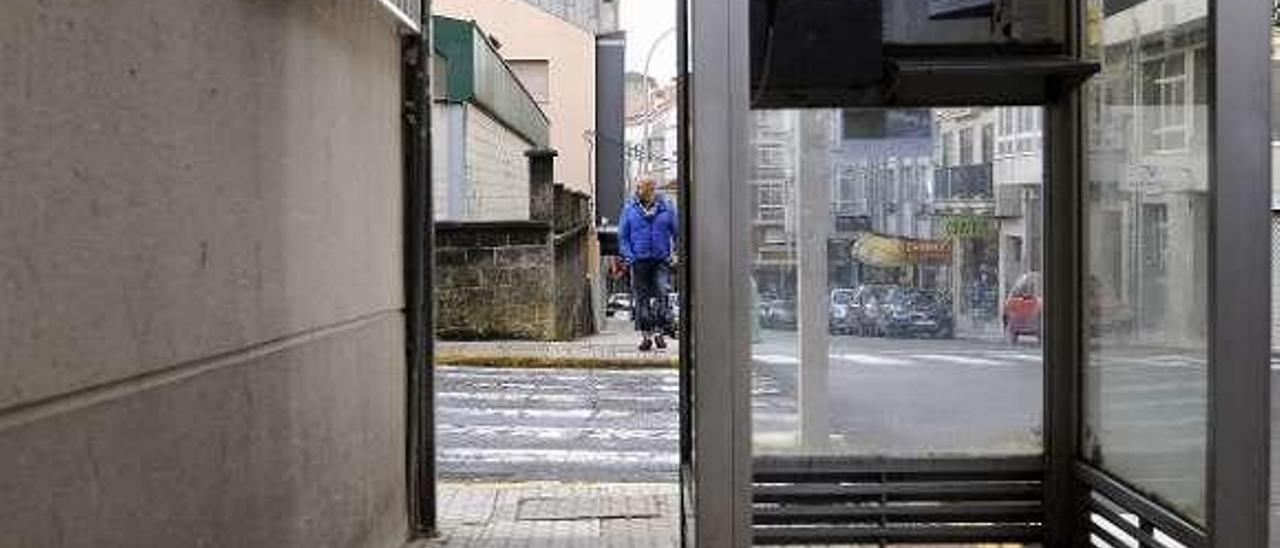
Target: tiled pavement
column 487, row 515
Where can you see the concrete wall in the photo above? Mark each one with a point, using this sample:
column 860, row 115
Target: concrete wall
column 200, row 274
column 528, row 32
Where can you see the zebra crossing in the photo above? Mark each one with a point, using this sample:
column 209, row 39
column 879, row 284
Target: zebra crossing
column 557, row 424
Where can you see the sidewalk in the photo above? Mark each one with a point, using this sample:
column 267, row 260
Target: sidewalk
column 615, row 347
column 598, row 515
column 484, row 515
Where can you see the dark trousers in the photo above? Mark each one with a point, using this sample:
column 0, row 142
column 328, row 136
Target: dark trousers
column 649, row 279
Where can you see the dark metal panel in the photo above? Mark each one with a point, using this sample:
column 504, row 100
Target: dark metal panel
column 932, row 534
column 961, row 512
column 1239, row 273
column 918, row 491
column 1131, row 501
column 823, row 466
column 1144, row 537
column 420, row 461
column 609, row 139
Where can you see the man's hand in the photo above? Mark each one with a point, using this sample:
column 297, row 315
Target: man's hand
column 673, row 259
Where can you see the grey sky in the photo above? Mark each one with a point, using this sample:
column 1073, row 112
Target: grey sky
column 645, row 22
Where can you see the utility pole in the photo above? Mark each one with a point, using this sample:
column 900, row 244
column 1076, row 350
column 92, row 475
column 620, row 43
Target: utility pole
column 814, row 187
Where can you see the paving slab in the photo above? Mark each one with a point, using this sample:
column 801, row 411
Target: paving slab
column 554, row 514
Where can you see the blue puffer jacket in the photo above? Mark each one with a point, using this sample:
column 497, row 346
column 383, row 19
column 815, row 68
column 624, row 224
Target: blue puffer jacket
column 647, row 236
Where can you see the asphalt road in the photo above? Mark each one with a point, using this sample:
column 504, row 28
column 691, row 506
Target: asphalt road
column 895, row 397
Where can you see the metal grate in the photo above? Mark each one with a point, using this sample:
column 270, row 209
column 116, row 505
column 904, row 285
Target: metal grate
column 830, row 500
column 1119, row 517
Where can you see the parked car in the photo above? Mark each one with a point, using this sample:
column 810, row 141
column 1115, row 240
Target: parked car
column 618, row 302
column 779, row 314
column 912, row 312
column 840, row 311
column 865, row 309
column 1020, row 314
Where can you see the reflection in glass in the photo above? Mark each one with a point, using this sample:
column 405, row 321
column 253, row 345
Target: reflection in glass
column 1147, row 247
column 887, row 246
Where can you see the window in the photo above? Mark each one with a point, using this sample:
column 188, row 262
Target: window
column 1147, row 291
column 775, row 236
column 988, row 135
column 534, row 75
column 948, row 150
column 966, row 146
column 1026, row 129
column 1165, row 95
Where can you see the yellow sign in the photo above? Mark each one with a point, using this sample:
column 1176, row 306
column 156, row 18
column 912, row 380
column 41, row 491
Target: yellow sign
column 891, row 252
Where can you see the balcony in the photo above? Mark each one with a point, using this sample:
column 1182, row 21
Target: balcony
column 971, row 183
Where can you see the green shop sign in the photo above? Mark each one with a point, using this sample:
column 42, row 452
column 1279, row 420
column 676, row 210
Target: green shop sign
column 966, row 227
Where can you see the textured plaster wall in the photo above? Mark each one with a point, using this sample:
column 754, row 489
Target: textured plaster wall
column 200, row 274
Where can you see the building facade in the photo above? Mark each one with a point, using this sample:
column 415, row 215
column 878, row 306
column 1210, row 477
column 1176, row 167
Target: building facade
column 486, row 122
column 963, row 202
column 551, row 47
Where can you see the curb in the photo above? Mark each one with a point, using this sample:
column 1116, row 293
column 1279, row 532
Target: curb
column 556, row 362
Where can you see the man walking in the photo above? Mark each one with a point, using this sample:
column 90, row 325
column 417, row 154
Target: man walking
column 647, row 234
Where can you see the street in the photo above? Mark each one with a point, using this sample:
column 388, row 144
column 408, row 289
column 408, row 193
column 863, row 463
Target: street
column 887, row 397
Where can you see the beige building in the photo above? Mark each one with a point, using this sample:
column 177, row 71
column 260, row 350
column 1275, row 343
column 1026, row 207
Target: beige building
column 554, row 58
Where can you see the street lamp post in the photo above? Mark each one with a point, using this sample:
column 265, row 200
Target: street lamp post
column 648, row 99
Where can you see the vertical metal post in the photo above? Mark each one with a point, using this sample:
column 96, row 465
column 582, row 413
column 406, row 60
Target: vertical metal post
column 1063, row 270
column 1064, row 328
column 719, row 256
column 1239, row 273
column 688, row 324
column 418, row 251
column 813, row 186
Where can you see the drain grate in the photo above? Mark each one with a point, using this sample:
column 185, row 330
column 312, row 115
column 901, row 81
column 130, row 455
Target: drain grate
column 590, row 507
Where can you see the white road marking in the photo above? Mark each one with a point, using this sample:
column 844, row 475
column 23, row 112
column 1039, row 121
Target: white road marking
column 963, row 360
column 776, row 359
column 582, row 398
column 536, row 413
column 871, row 359
column 557, row 433
column 557, row 456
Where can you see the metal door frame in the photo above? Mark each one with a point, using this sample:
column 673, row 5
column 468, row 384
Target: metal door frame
column 1239, row 273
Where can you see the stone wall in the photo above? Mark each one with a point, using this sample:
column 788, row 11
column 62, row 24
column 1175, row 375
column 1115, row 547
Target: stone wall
column 523, row 280
column 494, row 281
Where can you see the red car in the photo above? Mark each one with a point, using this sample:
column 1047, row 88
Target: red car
column 1021, row 311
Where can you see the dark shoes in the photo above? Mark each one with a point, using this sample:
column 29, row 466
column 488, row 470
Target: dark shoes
column 646, row 344
column 660, row 342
